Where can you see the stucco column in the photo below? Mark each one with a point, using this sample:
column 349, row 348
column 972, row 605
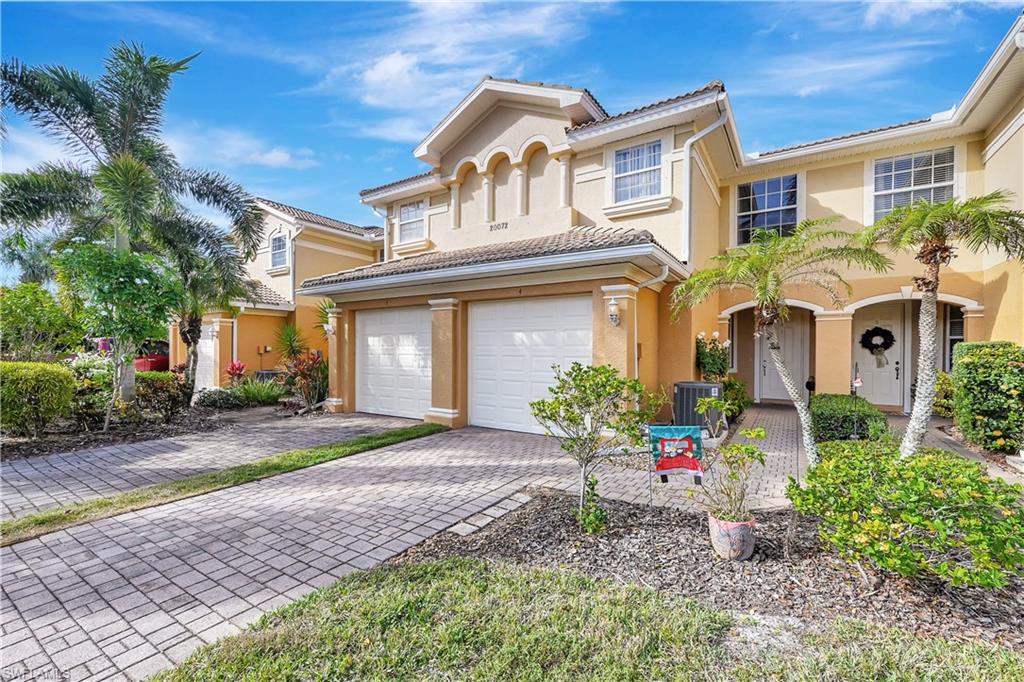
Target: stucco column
column 564, row 181
column 447, row 357
column 341, row 361
column 975, row 328
column 223, row 331
column 519, row 177
column 833, row 351
column 488, row 187
column 455, row 208
column 613, row 344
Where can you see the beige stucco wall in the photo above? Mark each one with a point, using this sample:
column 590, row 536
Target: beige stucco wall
column 281, row 280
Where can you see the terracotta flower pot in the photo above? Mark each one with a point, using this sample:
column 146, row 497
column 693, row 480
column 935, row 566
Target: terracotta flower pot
column 732, row 540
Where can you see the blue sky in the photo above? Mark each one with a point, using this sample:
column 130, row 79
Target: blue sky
column 308, row 103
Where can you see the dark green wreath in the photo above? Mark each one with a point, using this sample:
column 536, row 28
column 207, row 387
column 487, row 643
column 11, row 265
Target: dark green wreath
column 867, row 339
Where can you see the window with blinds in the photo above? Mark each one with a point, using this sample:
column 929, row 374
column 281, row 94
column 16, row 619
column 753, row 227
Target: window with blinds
column 278, row 252
column 638, row 172
column 410, row 221
column 954, row 333
column 766, row 205
column 903, row 180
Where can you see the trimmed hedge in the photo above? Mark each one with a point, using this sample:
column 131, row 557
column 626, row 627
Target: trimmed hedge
column 931, row 514
column 32, row 395
column 837, row 416
column 988, row 393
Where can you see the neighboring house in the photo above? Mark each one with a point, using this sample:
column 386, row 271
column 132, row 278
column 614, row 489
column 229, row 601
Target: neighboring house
column 297, row 245
column 548, row 231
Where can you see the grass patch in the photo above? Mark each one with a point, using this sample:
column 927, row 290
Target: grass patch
column 466, row 619
column 461, row 619
column 34, row 525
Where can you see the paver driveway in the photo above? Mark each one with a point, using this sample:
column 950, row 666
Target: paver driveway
column 56, row 480
column 130, row 595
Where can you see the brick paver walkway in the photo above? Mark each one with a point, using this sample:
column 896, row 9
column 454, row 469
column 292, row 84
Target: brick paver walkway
column 38, row 483
column 127, row 596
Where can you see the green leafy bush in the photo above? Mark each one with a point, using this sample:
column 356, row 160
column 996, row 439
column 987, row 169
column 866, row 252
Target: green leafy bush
column 94, row 385
column 32, row 395
column 931, row 514
column 220, row 399
column 734, row 392
column 988, row 393
column 943, row 405
column 161, row 392
column 258, row 392
column 35, row 327
column 593, row 518
column 841, row 417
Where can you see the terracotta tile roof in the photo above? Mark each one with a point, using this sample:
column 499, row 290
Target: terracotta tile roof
column 713, row 86
column 557, row 86
column 845, row 136
column 371, row 190
column 574, row 241
column 371, row 231
column 260, row 293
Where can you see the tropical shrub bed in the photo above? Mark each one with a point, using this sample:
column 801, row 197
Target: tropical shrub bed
column 33, row 394
column 842, row 417
column 933, row 514
column 988, row 394
column 163, row 393
column 734, row 392
column 943, row 405
column 249, row 392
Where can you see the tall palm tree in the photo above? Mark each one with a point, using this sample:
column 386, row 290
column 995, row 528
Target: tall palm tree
column 933, row 231
column 30, row 255
column 120, row 180
column 764, row 268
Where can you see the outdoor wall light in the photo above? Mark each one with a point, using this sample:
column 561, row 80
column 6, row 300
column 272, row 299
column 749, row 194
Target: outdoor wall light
column 613, row 312
column 329, row 329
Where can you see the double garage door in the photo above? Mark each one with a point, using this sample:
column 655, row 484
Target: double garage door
column 512, row 346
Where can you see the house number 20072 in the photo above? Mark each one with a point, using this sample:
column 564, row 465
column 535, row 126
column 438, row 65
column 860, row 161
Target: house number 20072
column 499, row 226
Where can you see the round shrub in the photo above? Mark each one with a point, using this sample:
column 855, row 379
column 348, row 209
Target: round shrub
column 220, row 399
column 32, row 395
column 842, row 417
column 94, row 386
column 160, row 392
column 988, row 393
column 932, row 514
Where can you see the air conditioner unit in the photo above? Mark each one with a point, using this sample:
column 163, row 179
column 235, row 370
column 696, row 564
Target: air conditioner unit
column 684, row 403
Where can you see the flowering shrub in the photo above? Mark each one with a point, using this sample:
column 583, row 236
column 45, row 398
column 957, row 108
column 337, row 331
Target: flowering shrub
column 713, row 356
column 988, row 393
column 236, row 372
column 931, row 514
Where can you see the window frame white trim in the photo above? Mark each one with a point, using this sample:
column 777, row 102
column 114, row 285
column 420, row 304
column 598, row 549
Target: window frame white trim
column 425, row 201
column 959, row 173
column 946, row 362
column 650, row 203
column 272, row 269
column 731, row 336
column 734, row 194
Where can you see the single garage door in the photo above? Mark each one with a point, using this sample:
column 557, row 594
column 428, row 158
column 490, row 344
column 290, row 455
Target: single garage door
column 393, row 361
column 512, row 346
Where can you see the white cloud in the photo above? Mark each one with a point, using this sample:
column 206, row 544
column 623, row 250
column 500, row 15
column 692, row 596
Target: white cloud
column 194, row 144
column 26, row 147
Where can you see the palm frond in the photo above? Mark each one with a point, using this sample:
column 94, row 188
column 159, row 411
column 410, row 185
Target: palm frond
column 216, row 190
column 129, row 193
column 41, row 194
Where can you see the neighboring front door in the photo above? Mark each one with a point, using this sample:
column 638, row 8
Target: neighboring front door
column 794, row 338
column 204, row 366
column 512, row 346
column 881, row 373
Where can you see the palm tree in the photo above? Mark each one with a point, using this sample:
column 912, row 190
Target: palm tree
column 30, row 255
column 120, row 180
column 932, row 230
column 764, row 268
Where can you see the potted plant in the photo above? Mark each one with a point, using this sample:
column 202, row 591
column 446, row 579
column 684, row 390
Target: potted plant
column 716, row 424
column 723, row 494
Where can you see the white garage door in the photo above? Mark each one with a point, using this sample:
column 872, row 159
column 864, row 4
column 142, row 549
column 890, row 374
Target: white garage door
column 393, row 361
column 512, row 346
column 204, row 366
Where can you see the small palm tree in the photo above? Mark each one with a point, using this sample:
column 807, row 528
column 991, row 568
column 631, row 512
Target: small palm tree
column 120, row 180
column 764, row 268
column 932, row 230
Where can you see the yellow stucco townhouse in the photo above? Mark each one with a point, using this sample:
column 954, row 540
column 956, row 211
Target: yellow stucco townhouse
column 548, row 231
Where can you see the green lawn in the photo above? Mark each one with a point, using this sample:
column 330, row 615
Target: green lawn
column 466, row 619
column 47, row 521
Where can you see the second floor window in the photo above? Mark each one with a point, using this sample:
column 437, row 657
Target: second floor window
column 902, row 180
column 278, row 252
column 766, row 204
column 410, row 221
column 638, row 172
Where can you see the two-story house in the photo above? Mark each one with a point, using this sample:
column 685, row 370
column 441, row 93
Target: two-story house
column 297, row 245
column 548, row 231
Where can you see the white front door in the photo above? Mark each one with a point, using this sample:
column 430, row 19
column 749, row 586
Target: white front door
column 882, row 374
column 204, row 365
column 512, row 346
column 794, row 338
column 393, row 361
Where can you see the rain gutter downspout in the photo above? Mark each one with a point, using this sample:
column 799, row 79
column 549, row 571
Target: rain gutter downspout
column 636, row 316
column 687, row 181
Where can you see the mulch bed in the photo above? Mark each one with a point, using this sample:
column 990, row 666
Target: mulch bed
column 669, row 550
column 66, row 438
